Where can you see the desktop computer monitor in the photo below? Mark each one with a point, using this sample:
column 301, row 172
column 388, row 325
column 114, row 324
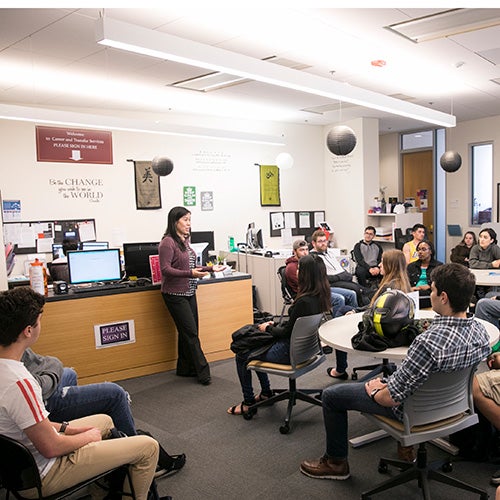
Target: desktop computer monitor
column 254, row 237
column 93, row 266
column 136, row 257
column 93, row 245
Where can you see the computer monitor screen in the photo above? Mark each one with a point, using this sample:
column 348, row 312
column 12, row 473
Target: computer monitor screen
column 254, row 237
column 203, row 237
column 92, row 266
column 136, row 256
column 94, row 245
column 57, row 251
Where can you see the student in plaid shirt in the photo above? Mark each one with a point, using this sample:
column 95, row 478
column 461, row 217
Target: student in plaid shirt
column 452, row 342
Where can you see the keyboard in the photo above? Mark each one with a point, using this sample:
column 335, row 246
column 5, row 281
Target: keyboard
column 98, row 288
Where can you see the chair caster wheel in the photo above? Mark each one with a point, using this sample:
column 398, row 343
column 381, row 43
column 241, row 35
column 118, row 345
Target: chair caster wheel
column 383, row 468
column 248, row 415
column 447, row 467
column 285, row 429
column 354, row 376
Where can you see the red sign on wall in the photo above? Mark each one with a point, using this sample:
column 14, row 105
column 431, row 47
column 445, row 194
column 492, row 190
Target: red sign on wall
column 73, row 145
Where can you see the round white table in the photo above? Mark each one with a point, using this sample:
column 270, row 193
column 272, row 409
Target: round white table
column 487, row 277
column 338, row 332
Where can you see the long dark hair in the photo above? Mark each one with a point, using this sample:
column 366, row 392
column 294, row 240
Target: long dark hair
column 491, row 232
column 174, row 215
column 313, row 281
column 474, row 239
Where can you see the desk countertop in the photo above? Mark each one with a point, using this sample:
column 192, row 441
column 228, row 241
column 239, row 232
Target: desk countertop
column 487, row 277
column 338, row 333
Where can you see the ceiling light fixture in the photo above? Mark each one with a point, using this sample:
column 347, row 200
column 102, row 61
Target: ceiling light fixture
column 55, row 117
column 144, row 41
column 446, row 23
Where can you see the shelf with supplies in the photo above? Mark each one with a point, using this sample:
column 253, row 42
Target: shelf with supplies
column 386, row 223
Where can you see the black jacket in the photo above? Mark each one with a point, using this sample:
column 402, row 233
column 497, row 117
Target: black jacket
column 358, row 256
column 414, row 269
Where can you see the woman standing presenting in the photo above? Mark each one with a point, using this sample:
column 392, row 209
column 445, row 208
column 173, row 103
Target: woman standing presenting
column 179, row 278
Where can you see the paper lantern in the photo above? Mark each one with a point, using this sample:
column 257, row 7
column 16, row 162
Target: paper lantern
column 341, row 140
column 284, row 161
column 450, row 161
column 162, row 165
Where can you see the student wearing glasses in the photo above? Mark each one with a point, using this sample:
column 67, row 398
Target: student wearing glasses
column 368, row 254
column 419, row 272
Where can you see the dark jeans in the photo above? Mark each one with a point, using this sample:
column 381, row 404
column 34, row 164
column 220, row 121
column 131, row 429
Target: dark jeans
column 364, row 277
column 279, row 352
column 337, row 400
column 71, row 401
column 190, row 360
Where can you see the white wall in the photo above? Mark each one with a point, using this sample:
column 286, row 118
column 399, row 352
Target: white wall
column 235, row 182
column 352, row 182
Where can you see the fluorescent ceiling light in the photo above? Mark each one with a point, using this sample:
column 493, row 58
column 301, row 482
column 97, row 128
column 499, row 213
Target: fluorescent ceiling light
column 133, row 38
column 446, row 23
column 54, row 117
column 211, row 81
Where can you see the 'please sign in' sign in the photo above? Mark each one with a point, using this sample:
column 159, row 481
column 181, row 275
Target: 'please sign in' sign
column 72, row 145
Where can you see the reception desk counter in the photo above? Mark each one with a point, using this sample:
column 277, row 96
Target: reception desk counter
column 68, row 322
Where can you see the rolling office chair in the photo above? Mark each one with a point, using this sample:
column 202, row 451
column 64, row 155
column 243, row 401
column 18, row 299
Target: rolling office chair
column 305, row 355
column 441, row 406
column 19, row 471
column 286, row 293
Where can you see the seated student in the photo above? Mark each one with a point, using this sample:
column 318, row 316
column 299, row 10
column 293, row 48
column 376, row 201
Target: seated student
column 486, row 394
column 66, row 400
column 488, row 309
column 313, row 297
column 340, row 297
column 485, row 255
column 60, row 450
column 420, row 271
column 368, row 254
column 337, row 276
column 450, row 332
column 410, row 247
column 394, row 276
column 460, row 253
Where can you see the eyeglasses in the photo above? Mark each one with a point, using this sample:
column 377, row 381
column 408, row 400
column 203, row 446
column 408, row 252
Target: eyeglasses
column 423, row 249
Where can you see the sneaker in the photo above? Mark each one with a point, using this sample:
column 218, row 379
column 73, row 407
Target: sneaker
column 495, row 478
column 407, row 453
column 174, row 464
column 326, row 468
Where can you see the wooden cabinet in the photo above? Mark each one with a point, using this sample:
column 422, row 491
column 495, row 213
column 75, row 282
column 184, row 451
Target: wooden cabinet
column 68, row 329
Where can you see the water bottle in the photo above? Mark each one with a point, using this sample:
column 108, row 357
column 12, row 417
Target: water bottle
column 38, row 277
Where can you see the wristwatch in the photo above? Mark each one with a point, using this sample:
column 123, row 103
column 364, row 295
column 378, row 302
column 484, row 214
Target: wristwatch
column 373, row 393
column 63, row 427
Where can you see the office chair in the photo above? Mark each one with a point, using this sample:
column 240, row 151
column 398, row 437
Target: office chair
column 19, row 471
column 305, row 355
column 286, row 293
column 59, row 271
column 399, row 238
column 441, row 406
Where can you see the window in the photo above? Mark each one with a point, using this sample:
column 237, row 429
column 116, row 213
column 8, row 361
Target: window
column 482, row 182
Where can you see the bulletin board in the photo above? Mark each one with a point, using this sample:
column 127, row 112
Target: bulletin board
column 38, row 236
column 301, row 222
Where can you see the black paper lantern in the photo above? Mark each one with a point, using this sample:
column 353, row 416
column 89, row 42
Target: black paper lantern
column 162, row 165
column 341, row 140
column 450, row 161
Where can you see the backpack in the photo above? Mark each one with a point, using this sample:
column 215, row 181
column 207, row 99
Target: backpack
column 248, row 338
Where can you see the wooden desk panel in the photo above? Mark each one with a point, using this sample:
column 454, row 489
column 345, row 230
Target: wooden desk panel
column 68, row 330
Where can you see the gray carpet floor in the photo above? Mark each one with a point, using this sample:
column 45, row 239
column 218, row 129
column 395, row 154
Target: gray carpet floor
column 232, row 458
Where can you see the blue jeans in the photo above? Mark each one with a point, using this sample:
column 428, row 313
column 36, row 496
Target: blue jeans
column 488, row 309
column 71, row 401
column 279, row 352
column 337, row 400
column 350, row 298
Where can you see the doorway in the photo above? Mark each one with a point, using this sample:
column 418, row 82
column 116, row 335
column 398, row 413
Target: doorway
column 418, row 183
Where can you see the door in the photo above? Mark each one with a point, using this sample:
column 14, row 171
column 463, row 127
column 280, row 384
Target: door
column 418, row 183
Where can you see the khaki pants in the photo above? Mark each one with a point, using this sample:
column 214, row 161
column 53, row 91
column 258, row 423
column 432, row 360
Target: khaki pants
column 141, row 452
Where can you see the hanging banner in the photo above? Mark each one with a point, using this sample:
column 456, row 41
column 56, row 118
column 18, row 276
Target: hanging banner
column 147, row 186
column 269, row 186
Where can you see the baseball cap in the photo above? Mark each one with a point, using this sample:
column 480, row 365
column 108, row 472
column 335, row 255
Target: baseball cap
column 299, row 243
